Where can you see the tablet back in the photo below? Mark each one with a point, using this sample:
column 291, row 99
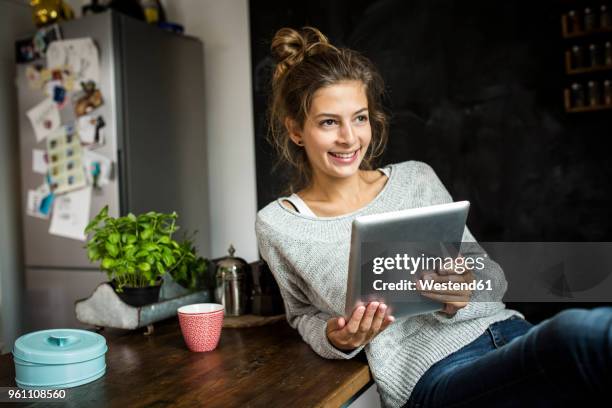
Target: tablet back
column 378, row 235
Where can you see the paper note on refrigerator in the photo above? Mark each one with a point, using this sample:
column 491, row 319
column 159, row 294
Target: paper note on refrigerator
column 98, row 168
column 65, row 160
column 71, row 214
column 45, row 118
column 81, row 55
column 40, row 201
column 89, row 128
column 39, row 162
column 34, row 77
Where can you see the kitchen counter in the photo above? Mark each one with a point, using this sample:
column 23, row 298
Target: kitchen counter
column 267, row 366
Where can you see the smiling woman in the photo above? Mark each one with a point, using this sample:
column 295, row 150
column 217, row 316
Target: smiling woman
column 337, row 130
column 326, row 121
column 336, row 136
column 325, row 108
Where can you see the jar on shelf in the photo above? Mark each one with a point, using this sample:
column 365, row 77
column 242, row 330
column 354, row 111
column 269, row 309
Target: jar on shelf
column 577, row 57
column 594, row 93
column 605, row 19
column 608, row 92
column 577, row 96
column 594, row 55
column 589, row 19
column 573, row 22
column 608, row 53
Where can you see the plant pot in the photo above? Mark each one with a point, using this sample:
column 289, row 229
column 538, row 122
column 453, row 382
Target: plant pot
column 138, row 296
column 170, row 289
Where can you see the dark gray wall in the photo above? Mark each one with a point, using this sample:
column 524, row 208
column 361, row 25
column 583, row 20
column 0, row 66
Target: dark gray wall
column 475, row 89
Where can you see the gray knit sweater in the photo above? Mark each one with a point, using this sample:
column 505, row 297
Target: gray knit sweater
column 309, row 259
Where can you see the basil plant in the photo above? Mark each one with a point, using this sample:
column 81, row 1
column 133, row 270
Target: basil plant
column 136, row 250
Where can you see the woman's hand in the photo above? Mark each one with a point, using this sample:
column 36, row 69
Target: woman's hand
column 453, row 299
column 365, row 323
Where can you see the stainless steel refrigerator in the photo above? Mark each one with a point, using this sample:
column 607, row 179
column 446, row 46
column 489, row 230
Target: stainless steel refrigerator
column 152, row 84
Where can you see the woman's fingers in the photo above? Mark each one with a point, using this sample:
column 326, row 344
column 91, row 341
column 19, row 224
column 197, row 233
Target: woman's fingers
column 467, row 277
column 449, row 292
column 353, row 324
column 378, row 318
column 445, row 298
column 366, row 321
column 334, row 324
column 444, row 279
column 388, row 320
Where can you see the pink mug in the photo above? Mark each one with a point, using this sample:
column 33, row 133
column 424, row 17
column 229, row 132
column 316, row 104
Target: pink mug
column 201, row 325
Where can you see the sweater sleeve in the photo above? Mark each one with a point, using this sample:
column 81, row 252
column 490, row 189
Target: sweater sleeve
column 483, row 302
column 307, row 319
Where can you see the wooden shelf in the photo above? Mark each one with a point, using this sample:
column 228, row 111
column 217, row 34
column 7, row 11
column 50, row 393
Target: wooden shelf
column 574, row 71
column 589, row 69
column 578, row 34
column 588, row 108
column 594, row 69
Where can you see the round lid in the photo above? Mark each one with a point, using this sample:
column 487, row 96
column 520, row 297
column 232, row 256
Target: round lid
column 59, row 346
column 231, row 262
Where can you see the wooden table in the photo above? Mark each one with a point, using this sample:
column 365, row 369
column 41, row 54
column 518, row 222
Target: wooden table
column 268, row 366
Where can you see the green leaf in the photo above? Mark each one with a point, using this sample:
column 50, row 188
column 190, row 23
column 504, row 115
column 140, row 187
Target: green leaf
column 146, row 234
column 108, row 263
column 150, row 246
column 114, row 237
column 169, row 260
column 183, row 271
column 112, row 249
column 131, row 238
column 129, row 254
column 164, row 239
column 144, row 266
column 93, row 253
column 90, row 226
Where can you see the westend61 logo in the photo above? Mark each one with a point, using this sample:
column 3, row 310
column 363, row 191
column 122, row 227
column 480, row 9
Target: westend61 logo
column 429, row 263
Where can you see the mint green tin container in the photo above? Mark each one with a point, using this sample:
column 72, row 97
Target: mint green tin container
column 59, row 358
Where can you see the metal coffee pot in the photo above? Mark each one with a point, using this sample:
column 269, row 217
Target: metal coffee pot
column 232, row 288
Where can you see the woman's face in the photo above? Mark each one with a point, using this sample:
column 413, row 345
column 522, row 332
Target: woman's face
column 336, row 134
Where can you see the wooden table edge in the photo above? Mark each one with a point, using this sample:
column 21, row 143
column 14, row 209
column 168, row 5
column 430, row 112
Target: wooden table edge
column 344, row 392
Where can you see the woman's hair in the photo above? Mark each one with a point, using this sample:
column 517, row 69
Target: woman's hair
column 307, row 62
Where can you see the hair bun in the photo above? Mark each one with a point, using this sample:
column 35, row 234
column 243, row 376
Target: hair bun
column 289, row 47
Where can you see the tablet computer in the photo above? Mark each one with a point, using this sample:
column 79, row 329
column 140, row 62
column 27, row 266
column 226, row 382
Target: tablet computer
column 407, row 235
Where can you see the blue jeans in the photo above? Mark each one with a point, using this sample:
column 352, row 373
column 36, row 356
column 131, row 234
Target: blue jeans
column 565, row 360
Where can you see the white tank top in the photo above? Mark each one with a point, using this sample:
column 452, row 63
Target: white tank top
column 303, row 208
